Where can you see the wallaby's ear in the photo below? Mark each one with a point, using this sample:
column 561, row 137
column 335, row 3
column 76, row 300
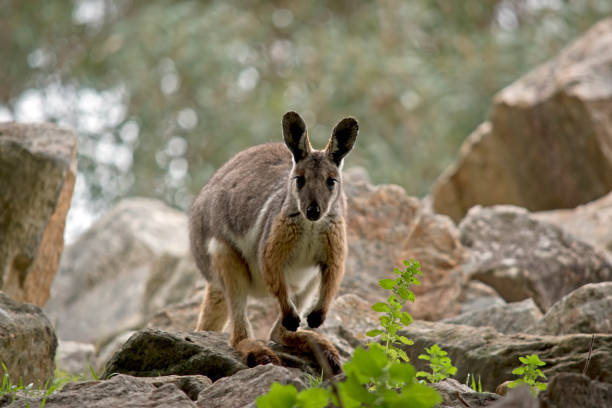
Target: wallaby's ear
column 342, row 139
column 296, row 135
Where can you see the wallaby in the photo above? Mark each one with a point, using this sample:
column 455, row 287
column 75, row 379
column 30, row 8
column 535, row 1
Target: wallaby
column 271, row 222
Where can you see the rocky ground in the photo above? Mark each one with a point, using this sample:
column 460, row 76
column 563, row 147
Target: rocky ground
column 499, row 281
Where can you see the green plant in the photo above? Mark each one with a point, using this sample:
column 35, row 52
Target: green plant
column 393, row 318
column 372, row 380
column 315, row 381
column 439, row 363
column 530, row 372
column 473, row 385
column 377, row 377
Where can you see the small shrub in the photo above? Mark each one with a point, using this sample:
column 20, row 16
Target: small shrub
column 439, row 363
column 530, row 373
column 393, row 318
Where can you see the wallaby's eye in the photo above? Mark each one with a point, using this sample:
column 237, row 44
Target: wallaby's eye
column 331, row 182
column 300, row 181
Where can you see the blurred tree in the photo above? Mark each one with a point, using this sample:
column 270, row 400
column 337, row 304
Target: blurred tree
column 163, row 92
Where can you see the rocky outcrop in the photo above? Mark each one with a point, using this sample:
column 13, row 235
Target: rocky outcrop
column 591, row 222
column 138, row 252
column 588, row 309
column 456, row 395
column 27, row 342
column 37, row 175
column 549, row 140
column 385, row 226
column 492, row 355
column 509, row 318
column 521, row 257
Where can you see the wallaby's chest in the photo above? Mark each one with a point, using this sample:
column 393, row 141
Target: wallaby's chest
column 306, row 256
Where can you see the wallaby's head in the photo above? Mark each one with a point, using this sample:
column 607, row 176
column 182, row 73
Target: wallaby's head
column 316, row 174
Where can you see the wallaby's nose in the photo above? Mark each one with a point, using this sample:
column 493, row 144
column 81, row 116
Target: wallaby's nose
column 313, row 212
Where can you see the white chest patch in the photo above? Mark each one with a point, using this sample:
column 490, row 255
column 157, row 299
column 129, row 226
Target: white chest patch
column 304, row 263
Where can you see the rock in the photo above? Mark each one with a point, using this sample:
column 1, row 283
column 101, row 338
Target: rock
column 27, row 342
column 119, row 391
column 492, row 355
column 151, row 352
column 453, row 392
column 74, row 357
column 245, row 386
column 590, row 222
column 547, row 144
column 587, row 309
column 351, row 311
column 132, row 261
column 520, row 397
column 105, row 350
column 575, row 390
column 513, row 317
column 37, row 174
column 521, row 257
column 191, row 385
column 385, row 226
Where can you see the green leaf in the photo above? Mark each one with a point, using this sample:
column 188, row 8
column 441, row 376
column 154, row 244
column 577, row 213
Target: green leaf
column 405, row 340
column 381, row 307
column 353, row 388
column 424, row 357
column 374, row 333
column 405, row 318
column 279, row 396
column 519, row 370
column 387, row 283
column 400, row 373
column 313, row 398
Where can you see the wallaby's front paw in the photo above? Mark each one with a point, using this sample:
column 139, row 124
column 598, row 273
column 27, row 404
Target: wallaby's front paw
column 291, row 321
column 315, row 318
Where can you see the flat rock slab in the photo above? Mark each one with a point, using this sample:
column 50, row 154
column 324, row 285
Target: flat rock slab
column 119, row 391
column 485, row 352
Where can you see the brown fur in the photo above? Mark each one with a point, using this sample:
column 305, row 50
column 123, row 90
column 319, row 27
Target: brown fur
column 271, row 222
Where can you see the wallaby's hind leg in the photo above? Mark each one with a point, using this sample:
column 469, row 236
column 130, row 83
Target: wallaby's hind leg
column 213, row 312
column 234, row 275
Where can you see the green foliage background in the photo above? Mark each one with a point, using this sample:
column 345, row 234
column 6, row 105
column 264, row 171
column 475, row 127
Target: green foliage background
column 186, row 84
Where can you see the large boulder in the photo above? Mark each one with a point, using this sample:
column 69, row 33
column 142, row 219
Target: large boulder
column 37, row 174
column 153, row 352
column 588, row 309
column 548, row 144
column 386, row 226
column 131, row 262
column 521, row 257
column 484, row 352
column 27, row 342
